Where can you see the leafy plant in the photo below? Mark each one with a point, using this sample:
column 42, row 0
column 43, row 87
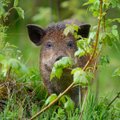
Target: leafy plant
column 100, row 38
column 22, row 93
column 58, row 67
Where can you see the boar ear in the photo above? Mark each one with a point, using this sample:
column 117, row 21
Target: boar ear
column 84, row 30
column 35, row 33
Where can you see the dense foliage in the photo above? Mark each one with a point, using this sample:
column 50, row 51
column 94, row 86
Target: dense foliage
column 22, row 93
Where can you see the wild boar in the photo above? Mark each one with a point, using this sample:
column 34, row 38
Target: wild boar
column 54, row 46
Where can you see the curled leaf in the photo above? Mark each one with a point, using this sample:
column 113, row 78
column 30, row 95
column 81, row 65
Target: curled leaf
column 58, row 67
column 51, row 98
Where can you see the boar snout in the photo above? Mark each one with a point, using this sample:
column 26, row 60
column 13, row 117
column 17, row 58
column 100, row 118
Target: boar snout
column 59, row 57
column 54, row 46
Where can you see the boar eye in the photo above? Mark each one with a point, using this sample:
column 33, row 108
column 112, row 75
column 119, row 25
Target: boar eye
column 70, row 44
column 49, row 45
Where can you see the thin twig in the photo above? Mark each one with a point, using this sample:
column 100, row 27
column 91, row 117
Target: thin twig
column 8, row 13
column 94, row 52
column 97, row 35
column 117, row 96
column 53, row 102
column 83, row 105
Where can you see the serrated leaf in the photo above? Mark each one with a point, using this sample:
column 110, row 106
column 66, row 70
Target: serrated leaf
column 70, row 28
column 75, row 70
column 15, row 3
column 51, row 98
column 56, row 73
column 62, row 99
column 79, row 76
column 67, row 102
column 58, row 67
column 69, row 105
column 20, row 12
column 80, row 52
column 84, row 47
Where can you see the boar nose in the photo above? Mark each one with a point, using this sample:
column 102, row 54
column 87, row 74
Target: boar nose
column 58, row 58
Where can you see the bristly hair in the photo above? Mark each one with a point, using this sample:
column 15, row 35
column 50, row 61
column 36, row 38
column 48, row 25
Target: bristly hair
column 56, row 26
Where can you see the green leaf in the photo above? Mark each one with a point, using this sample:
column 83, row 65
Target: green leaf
column 70, row 28
column 104, row 60
column 89, row 2
column 20, row 12
column 115, row 32
column 80, row 52
column 115, row 3
column 79, row 76
column 15, row 3
column 116, row 73
column 84, row 47
column 69, row 105
column 51, row 98
column 107, row 39
column 56, row 73
column 67, row 102
column 89, row 76
column 58, row 67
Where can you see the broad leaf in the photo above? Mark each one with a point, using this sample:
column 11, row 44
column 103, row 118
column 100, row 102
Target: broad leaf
column 20, row 12
column 70, row 28
column 67, row 102
column 58, row 67
column 79, row 76
column 51, row 98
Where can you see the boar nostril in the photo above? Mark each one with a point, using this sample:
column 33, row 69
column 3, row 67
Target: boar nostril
column 58, row 58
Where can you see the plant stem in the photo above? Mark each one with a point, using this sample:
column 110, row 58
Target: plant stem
column 53, row 102
column 97, row 35
column 86, row 65
column 8, row 13
column 94, row 52
column 117, row 96
column 83, row 105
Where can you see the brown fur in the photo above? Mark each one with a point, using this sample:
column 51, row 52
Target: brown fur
column 54, row 45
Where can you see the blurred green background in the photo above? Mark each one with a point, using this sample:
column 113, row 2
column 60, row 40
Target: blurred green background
column 44, row 12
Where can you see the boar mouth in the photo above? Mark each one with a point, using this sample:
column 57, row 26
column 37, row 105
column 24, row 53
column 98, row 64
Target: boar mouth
column 65, row 70
column 49, row 67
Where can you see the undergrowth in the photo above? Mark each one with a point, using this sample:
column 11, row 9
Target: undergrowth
column 22, row 93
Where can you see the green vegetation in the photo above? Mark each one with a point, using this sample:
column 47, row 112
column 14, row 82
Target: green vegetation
column 22, row 93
